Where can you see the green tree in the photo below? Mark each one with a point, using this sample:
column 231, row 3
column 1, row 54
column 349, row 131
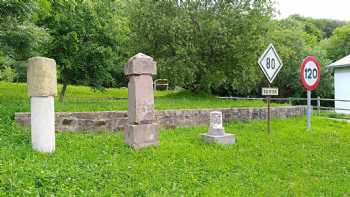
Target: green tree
column 20, row 38
column 328, row 26
column 85, row 41
column 203, row 44
column 294, row 43
column 338, row 45
column 321, row 28
column 291, row 43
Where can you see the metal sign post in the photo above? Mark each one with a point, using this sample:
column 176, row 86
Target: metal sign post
column 310, row 76
column 269, row 112
column 268, row 92
column 270, row 64
column 308, row 111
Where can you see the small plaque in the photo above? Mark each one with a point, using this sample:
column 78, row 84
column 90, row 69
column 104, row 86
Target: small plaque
column 269, row 91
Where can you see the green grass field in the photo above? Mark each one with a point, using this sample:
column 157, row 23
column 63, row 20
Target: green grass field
column 79, row 98
column 288, row 162
column 335, row 115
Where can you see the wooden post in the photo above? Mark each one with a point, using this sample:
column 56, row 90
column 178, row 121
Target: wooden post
column 269, row 112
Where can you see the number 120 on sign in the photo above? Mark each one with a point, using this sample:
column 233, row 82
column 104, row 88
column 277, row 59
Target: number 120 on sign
column 310, row 73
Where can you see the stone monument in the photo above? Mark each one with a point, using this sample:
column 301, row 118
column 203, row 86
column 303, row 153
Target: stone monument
column 42, row 87
column 216, row 133
column 142, row 130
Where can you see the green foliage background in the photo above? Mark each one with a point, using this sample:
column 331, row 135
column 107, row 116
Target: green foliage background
column 200, row 45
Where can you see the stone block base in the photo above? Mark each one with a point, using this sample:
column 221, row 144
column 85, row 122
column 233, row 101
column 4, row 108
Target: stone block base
column 219, row 139
column 217, row 132
column 142, row 136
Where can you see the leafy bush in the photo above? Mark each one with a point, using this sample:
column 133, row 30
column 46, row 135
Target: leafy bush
column 8, row 74
column 20, row 38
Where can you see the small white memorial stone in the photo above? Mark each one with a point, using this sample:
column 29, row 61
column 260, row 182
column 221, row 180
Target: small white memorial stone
column 216, row 133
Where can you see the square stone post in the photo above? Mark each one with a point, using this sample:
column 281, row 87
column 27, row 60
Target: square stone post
column 142, row 130
column 42, row 87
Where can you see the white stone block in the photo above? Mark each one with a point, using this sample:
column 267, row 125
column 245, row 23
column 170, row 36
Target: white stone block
column 219, row 139
column 216, row 120
column 43, row 124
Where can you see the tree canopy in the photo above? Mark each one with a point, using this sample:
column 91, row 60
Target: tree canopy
column 210, row 45
column 201, row 45
column 338, row 45
column 85, row 41
column 20, row 38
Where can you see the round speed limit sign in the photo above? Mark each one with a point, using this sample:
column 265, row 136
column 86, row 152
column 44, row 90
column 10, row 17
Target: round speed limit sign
column 310, row 73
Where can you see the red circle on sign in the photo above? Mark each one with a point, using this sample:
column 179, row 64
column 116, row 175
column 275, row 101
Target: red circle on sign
column 304, row 74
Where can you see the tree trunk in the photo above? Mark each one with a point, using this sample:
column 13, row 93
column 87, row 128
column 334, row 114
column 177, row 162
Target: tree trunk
column 63, row 92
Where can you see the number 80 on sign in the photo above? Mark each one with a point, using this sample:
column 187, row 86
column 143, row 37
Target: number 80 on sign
column 310, row 73
column 270, row 63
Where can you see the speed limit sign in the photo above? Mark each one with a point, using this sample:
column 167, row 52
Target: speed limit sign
column 310, row 76
column 271, row 64
column 310, row 73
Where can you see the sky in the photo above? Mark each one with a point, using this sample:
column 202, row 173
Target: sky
column 332, row 9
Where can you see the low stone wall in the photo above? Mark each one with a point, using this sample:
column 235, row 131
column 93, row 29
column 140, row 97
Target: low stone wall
column 117, row 120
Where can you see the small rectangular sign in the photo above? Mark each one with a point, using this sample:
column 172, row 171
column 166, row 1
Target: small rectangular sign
column 269, row 91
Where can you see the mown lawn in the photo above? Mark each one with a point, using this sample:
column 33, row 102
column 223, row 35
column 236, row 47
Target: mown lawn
column 79, row 98
column 288, row 162
column 336, row 115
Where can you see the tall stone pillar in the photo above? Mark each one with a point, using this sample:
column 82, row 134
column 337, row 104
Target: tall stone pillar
column 42, row 87
column 142, row 130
